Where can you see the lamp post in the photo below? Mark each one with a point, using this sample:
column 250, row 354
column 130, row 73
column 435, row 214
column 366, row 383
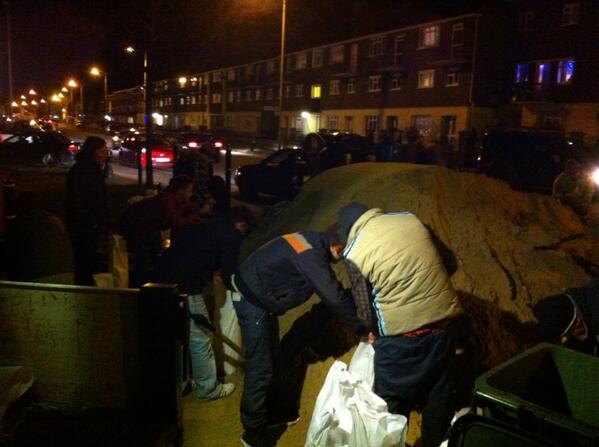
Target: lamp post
column 147, row 120
column 282, row 71
column 95, row 71
column 74, row 84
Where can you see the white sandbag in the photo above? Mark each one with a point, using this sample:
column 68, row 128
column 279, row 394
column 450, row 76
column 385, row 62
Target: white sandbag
column 362, row 363
column 228, row 325
column 348, row 414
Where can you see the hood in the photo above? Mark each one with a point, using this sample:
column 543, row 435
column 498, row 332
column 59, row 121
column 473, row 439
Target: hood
column 359, row 224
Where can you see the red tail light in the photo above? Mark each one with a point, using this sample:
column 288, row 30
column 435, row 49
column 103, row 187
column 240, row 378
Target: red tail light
column 72, row 148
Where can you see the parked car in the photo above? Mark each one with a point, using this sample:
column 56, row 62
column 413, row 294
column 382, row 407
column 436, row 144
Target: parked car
column 202, row 141
column 281, row 174
column 132, row 145
column 527, row 159
column 326, row 150
column 48, row 148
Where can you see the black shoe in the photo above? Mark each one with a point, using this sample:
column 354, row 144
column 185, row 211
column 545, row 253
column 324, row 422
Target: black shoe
column 264, row 437
column 286, row 421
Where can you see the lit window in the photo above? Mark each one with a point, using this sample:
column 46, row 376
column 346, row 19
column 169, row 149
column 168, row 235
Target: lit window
column 301, row 61
column 287, row 91
column 182, row 101
column 299, row 90
column 429, row 36
column 522, row 73
column 453, row 79
column 269, row 93
column 231, row 75
column 333, row 122
column 238, row 95
column 315, row 91
column 565, row 71
column 336, row 54
column 543, row 71
column 351, row 86
column 424, row 124
column 216, row 98
column 231, row 97
column 395, row 82
column 570, row 14
column 426, row 79
column 334, row 87
column 377, row 46
column 258, row 94
column 216, row 76
column 374, row 84
column 371, row 123
column 193, row 99
column 317, row 58
column 525, row 21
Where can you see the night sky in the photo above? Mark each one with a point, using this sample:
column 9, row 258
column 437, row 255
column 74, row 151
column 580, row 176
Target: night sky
column 55, row 39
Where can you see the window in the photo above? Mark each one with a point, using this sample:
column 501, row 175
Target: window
column 522, row 73
column 570, row 14
column 216, row 98
column 349, row 123
column 216, row 76
column 376, row 46
column 351, row 86
column 399, row 44
column 334, row 87
column 299, row 123
column 269, row 93
column 565, row 71
column 336, row 54
column 374, row 84
column 317, row 58
column 194, row 81
column 429, row 36
column 301, row 61
column 248, row 96
column 249, row 71
column 543, row 72
column 289, row 64
column 193, row 100
column 258, row 94
column 315, row 91
column 457, row 39
column 299, row 90
column 231, row 75
column 181, row 101
column 552, row 121
column 270, row 66
column 238, row 95
column 371, row 123
column 392, row 122
column 287, row 91
column 525, row 21
column 333, row 122
column 453, row 79
column 231, row 97
column 426, row 79
column 424, row 124
column 395, row 82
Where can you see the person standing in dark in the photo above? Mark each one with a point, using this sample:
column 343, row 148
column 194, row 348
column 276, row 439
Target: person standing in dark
column 86, row 207
column 390, row 148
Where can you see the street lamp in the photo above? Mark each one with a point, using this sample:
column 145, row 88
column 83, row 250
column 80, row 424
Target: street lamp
column 147, row 122
column 95, row 71
column 64, row 90
column 14, row 104
column 74, row 84
column 32, row 92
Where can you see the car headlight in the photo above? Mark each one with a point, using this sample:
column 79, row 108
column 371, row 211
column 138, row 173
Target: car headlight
column 115, row 138
column 595, row 176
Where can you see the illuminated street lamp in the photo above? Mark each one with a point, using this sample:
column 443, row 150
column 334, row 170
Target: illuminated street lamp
column 64, row 90
column 60, row 95
column 23, row 97
column 182, row 81
column 32, row 92
column 71, row 83
column 147, row 122
column 33, row 102
column 95, row 71
column 14, row 104
column 24, row 103
column 43, row 101
column 56, row 98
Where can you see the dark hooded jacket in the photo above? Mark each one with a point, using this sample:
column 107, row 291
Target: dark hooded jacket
column 587, row 300
column 86, row 203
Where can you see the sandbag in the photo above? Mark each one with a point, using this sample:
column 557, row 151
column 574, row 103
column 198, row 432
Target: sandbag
column 348, row 414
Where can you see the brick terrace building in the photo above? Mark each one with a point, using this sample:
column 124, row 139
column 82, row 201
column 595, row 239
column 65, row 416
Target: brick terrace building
column 529, row 63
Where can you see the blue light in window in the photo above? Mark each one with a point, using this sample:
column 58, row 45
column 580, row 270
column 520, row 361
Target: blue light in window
column 522, row 71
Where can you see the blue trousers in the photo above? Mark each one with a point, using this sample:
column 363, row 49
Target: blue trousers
column 203, row 363
column 414, row 372
column 260, row 334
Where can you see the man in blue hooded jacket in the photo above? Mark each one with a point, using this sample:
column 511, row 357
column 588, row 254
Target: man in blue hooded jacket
column 279, row 276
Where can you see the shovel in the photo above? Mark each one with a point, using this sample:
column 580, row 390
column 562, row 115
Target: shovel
column 202, row 321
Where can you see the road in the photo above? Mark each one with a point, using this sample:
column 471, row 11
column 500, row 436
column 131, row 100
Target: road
column 125, row 174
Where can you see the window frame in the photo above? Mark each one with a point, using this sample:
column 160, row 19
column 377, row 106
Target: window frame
column 395, row 83
column 337, row 90
column 313, row 89
column 525, row 19
column 299, row 90
column 335, row 120
column 337, row 54
column 301, row 61
column 569, row 9
column 376, row 46
column 421, row 74
column 456, row 75
column 317, row 57
column 375, row 83
column 422, row 38
column 352, row 90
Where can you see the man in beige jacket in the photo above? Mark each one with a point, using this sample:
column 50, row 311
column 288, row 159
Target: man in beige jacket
column 396, row 270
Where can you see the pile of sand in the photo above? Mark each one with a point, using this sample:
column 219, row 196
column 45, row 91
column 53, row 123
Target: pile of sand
column 505, row 251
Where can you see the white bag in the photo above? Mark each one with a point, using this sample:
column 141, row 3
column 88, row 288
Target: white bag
column 229, row 327
column 348, row 414
column 119, row 261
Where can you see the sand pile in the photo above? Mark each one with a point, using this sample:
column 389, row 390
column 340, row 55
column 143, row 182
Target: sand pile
column 505, row 250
